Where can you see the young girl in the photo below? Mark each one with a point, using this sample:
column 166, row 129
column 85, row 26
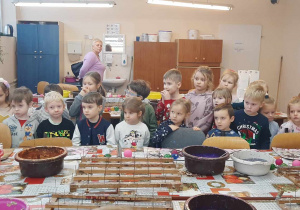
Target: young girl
column 179, row 112
column 131, row 132
column 221, row 96
column 229, row 80
column 268, row 110
column 5, row 110
column 201, row 99
column 91, row 83
column 293, row 111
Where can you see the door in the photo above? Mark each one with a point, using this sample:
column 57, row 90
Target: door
column 187, row 73
column 188, row 50
column 27, row 71
column 210, row 51
column 48, row 39
column 48, row 66
column 27, row 39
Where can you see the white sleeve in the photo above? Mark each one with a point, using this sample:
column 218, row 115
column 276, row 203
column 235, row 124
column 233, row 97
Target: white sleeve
column 110, row 135
column 147, row 137
column 76, row 140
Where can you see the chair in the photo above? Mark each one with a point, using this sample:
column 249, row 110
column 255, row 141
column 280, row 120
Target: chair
column 106, row 115
column 286, row 140
column 183, row 137
column 5, row 137
column 68, row 87
column 41, row 86
column 226, row 142
column 59, row 141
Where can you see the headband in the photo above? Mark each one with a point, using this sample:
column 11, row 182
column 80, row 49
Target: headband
column 5, row 82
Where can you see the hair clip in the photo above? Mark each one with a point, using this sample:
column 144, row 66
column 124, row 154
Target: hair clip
column 5, row 82
column 267, row 96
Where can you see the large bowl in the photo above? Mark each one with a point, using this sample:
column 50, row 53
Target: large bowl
column 13, row 204
column 41, row 161
column 252, row 163
column 216, row 202
column 204, row 160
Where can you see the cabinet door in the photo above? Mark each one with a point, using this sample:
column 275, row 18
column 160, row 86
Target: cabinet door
column 211, row 51
column 27, row 71
column 27, row 39
column 187, row 73
column 48, row 68
column 188, row 51
column 48, row 39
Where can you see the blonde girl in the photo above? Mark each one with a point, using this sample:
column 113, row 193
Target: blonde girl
column 221, row 96
column 131, row 132
column 179, row 112
column 293, row 111
column 229, row 79
column 5, row 110
column 201, row 99
column 91, row 83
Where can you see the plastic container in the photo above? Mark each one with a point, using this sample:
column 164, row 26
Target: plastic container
column 164, row 36
column 193, row 34
column 204, row 160
column 154, row 95
column 152, row 37
column 252, row 163
column 70, row 79
column 216, row 202
column 13, row 204
column 66, row 93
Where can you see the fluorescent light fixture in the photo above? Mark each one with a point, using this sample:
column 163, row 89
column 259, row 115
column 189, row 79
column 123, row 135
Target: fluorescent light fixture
column 64, row 3
column 192, row 4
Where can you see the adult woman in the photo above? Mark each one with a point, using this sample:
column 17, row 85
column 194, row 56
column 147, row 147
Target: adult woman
column 91, row 61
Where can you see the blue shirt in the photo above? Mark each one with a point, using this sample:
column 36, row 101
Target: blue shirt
column 217, row 132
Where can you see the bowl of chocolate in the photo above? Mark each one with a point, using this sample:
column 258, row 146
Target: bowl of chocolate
column 41, row 161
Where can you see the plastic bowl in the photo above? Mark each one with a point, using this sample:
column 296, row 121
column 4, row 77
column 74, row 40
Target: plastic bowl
column 66, row 93
column 216, row 202
column 41, row 161
column 13, row 204
column 204, row 160
column 252, row 163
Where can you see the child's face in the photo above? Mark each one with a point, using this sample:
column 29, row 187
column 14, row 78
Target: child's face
column 252, row 106
column 268, row 110
column 55, row 109
column 89, row 83
column 132, row 118
column 91, row 111
column 20, row 109
column 227, row 81
column 177, row 114
column 218, row 100
column 171, row 86
column 295, row 113
column 223, row 120
column 3, row 96
column 200, row 83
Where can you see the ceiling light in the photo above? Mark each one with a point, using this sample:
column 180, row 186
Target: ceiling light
column 65, row 3
column 192, row 4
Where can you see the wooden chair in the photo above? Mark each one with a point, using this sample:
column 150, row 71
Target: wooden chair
column 68, row 87
column 62, row 142
column 106, row 115
column 41, row 86
column 286, row 140
column 5, row 137
column 226, row 142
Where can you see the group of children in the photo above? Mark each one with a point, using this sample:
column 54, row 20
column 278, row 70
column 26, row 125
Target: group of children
column 216, row 113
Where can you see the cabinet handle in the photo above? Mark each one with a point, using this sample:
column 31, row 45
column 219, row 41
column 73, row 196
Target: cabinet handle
column 157, row 88
column 34, row 57
column 41, row 51
column 203, row 59
column 34, row 51
column 41, row 57
column 196, row 58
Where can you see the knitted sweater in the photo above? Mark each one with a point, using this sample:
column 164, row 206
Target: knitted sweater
column 91, row 63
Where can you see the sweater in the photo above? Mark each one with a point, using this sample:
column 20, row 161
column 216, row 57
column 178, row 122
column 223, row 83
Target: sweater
column 217, row 132
column 91, row 62
column 48, row 130
column 254, row 129
column 18, row 133
column 290, row 127
column 162, row 111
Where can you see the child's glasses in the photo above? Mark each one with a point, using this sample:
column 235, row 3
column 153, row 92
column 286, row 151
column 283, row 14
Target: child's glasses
column 130, row 93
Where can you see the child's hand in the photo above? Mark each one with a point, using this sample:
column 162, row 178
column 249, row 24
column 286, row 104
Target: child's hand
column 84, row 91
column 165, row 95
column 196, row 129
column 173, row 127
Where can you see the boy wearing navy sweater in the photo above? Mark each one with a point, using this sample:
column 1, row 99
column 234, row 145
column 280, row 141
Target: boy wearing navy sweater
column 94, row 130
column 248, row 123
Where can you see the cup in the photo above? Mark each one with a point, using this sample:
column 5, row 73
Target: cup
column 137, row 38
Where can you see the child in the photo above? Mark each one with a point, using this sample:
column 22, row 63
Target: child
column 22, row 127
column 224, row 116
column 201, row 99
column 179, row 112
column 91, row 83
column 268, row 110
column 172, row 83
column 56, row 125
column 132, row 132
column 221, row 96
column 40, row 113
column 293, row 111
column 251, row 125
column 5, row 110
column 141, row 89
column 261, row 83
column 229, row 80
column 94, row 130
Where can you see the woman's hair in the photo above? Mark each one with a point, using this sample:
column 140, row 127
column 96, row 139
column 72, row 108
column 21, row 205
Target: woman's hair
column 207, row 73
column 93, row 97
column 230, row 73
column 4, row 85
column 97, row 79
column 53, row 87
column 255, row 92
column 185, row 104
column 223, row 92
column 133, row 104
column 294, row 100
column 95, row 41
column 53, row 96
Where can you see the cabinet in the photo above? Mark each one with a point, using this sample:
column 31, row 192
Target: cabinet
column 152, row 60
column 39, row 53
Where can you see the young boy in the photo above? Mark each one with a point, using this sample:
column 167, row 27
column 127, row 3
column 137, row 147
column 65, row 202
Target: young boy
column 22, row 127
column 141, row 89
column 56, row 125
column 223, row 116
column 172, row 83
column 94, row 130
column 248, row 123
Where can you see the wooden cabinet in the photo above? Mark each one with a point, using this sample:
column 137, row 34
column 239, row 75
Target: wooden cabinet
column 152, row 60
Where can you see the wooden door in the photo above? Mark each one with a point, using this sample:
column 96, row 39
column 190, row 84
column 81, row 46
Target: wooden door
column 210, row 51
column 188, row 50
